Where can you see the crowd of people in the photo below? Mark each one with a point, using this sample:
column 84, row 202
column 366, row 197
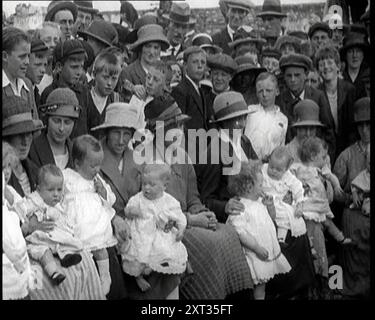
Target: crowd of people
column 143, row 160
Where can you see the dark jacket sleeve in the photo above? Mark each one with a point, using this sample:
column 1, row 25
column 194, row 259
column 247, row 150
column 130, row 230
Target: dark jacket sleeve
column 180, row 96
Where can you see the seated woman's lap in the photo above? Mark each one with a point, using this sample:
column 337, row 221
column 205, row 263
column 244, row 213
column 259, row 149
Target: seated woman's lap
column 218, row 263
column 81, row 283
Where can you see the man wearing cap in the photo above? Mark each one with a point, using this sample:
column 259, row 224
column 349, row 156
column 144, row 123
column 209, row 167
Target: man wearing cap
column 222, row 68
column 16, row 50
column 100, row 35
column 180, row 21
column 65, row 14
column 69, row 58
column 246, row 42
column 85, row 15
column 295, row 68
column 37, row 66
column 320, row 34
column 235, row 15
column 272, row 16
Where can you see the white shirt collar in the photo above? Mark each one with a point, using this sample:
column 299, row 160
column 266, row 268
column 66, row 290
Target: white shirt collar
column 230, row 31
column 194, row 84
column 20, row 84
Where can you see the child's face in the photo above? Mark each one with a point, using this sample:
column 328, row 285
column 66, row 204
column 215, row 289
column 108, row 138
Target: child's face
column 90, row 166
column 328, row 69
column 37, row 68
column 7, row 167
column 153, row 185
column 320, row 159
column 155, row 82
column 51, row 189
column 72, row 71
column 17, row 60
column 105, row 81
column 277, row 168
column 176, row 73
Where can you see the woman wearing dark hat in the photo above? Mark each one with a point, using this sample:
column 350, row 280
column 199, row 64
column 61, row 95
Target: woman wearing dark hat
column 244, row 78
column 354, row 54
column 355, row 261
column 230, row 112
column 288, row 44
column 151, row 41
column 214, row 250
column 53, row 146
column 18, row 129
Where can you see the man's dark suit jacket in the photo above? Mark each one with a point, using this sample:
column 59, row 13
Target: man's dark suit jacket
column 221, row 39
column 32, row 173
column 286, row 102
column 346, row 132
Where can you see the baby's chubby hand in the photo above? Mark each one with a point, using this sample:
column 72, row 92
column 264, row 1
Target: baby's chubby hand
column 132, row 212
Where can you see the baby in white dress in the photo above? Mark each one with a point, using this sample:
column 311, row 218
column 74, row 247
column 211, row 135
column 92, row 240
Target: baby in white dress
column 255, row 228
column 287, row 192
column 151, row 247
column 89, row 199
column 44, row 205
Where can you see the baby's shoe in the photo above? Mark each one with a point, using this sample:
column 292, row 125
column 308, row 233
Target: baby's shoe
column 71, row 260
column 57, row 278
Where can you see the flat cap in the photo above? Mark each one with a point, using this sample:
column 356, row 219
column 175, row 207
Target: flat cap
column 38, row 46
column 191, row 50
column 319, row 26
column 295, row 60
column 68, row 48
column 223, row 62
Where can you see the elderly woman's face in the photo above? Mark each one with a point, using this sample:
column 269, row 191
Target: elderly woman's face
column 364, row 131
column 59, row 128
column 118, row 139
column 354, row 57
column 21, row 144
column 150, row 52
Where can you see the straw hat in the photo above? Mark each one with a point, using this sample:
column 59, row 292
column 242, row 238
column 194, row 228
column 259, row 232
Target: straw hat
column 362, row 110
column 150, row 33
column 56, row 6
column 271, row 8
column 102, row 31
column 17, row 118
column 147, row 18
column 204, row 40
column 119, row 115
column 306, row 113
column 229, row 105
column 180, row 13
column 61, row 102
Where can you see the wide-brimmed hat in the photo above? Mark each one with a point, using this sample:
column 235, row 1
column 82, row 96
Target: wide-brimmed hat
column 180, row 13
column 306, row 113
column 223, row 62
column 102, row 31
column 61, row 102
column 295, row 60
column 354, row 40
column 322, row 26
column 150, row 33
column 287, row 39
column 148, row 18
column 120, row 115
column 85, row 6
column 164, row 109
column 17, row 117
column 56, row 6
column 271, row 8
column 243, row 35
column 245, row 63
column 362, row 110
column 204, row 40
column 302, row 35
column 246, row 5
column 228, row 105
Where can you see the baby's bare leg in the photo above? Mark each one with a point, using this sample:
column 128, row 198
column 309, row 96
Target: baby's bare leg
column 142, row 283
column 51, row 268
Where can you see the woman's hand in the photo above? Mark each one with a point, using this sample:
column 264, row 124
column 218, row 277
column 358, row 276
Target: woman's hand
column 140, row 91
column 261, row 253
column 33, row 224
column 204, row 219
column 121, row 228
column 234, row 207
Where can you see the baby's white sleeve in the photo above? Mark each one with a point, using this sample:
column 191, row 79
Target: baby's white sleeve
column 111, row 197
column 295, row 186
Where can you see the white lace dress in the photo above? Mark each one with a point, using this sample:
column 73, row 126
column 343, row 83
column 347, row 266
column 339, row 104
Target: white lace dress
column 92, row 213
column 149, row 244
column 255, row 221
